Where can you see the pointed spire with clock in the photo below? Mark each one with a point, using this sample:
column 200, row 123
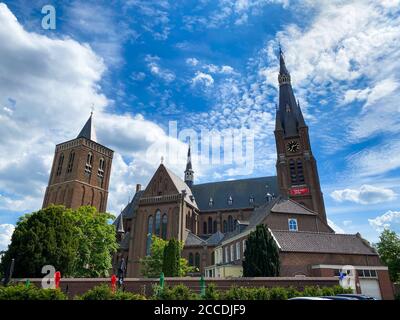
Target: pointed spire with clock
column 296, row 166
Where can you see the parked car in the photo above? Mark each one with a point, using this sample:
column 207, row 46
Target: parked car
column 356, row 296
column 309, row 298
column 338, row 298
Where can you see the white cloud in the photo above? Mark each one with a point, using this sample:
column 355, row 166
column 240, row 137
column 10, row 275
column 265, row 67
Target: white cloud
column 192, row 61
column 335, row 227
column 366, row 194
column 45, row 98
column 377, row 160
column 6, row 231
column 154, row 67
column 388, row 220
column 203, row 79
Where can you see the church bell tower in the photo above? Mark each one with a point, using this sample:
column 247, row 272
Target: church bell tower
column 80, row 173
column 296, row 166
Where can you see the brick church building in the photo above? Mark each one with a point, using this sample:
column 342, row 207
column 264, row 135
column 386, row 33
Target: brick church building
column 213, row 220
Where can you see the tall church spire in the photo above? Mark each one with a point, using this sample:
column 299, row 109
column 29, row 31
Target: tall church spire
column 189, row 173
column 88, row 130
column 289, row 115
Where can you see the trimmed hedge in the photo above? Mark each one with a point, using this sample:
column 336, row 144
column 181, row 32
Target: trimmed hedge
column 21, row 292
column 178, row 292
column 104, row 292
column 274, row 293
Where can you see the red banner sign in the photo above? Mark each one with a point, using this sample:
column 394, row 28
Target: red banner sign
column 299, row 191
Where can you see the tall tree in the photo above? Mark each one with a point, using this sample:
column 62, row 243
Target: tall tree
column 77, row 243
column 389, row 251
column 172, row 256
column 261, row 257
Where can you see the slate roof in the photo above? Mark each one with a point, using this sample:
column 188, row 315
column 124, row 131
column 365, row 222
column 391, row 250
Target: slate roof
column 130, row 208
column 314, row 242
column 193, row 240
column 289, row 206
column 239, row 190
column 256, row 218
column 181, row 185
column 215, row 238
column 88, row 130
column 289, row 115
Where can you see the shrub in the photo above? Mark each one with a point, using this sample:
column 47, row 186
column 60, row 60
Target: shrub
column 339, row 289
column 21, row 292
column 262, row 294
column 312, row 291
column 292, row 292
column 179, row 292
column 211, row 292
column 278, row 293
column 239, row 293
column 104, row 292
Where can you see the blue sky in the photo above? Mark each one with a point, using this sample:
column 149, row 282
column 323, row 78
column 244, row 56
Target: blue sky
column 206, row 65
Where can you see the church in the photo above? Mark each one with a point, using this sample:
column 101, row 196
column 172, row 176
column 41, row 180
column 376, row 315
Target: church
column 214, row 219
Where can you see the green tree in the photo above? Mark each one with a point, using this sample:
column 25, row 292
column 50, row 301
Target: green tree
column 261, row 257
column 45, row 237
column 152, row 265
column 97, row 242
column 389, row 251
column 76, row 242
column 171, row 261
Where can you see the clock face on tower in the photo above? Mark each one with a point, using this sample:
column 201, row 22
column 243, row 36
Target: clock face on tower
column 293, row 146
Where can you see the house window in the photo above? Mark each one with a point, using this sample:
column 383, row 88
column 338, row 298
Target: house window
column 226, row 254
column 190, row 259
column 251, row 200
column 164, row 226
column 89, row 162
column 60, row 164
column 230, row 200
column 244, row 246
column 237, row 250
column 292, row 224
column 211, row 202
column 100, row 171
column 71, row 162
column 232, row 253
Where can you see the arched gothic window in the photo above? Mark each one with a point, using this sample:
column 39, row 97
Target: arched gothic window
column 149, row 234
column 230, row 223
column 210, row 225
column 164, row 226
column 60, row 164
column 190, row 259
column 158, row 223
column 204, row 227
column 89, row 162
column 71, row 161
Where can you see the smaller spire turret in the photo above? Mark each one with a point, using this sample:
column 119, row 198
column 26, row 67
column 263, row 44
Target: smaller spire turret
column 189, row 173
